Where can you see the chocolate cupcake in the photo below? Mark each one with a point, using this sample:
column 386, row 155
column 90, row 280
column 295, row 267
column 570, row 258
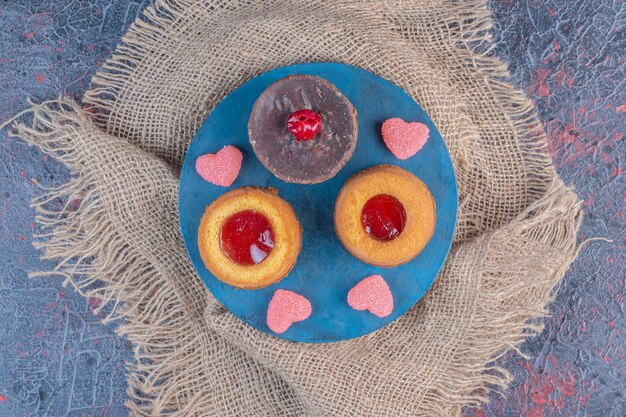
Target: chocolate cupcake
column 303, row 129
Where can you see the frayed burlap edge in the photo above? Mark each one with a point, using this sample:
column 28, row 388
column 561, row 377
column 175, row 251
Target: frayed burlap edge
column 95, row 257
column 91, row 251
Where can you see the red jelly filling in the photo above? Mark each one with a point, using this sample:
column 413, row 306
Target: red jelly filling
column 304, row 124
column 247, row 237
column 383, row 217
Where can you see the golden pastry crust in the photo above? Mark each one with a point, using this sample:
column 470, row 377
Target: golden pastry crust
column 287, row 238
column 409, row 190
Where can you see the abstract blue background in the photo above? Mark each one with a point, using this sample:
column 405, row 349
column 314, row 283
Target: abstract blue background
column 568, row 55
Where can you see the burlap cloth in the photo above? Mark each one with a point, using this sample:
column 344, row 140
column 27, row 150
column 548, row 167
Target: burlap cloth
column 516, row 233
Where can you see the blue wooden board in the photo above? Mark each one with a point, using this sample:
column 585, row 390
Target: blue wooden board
column 325, row 271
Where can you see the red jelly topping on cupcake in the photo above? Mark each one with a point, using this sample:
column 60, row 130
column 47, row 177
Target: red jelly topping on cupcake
column 383, row 217
column 304, row 124
column 247, row 237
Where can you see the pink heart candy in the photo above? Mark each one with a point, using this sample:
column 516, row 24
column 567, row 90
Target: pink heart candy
column 220, row 168
column 404, row 139
column 286, row 308
column 372, row 294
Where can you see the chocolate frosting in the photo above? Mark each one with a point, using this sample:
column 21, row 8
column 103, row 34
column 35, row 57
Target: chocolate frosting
column 303, row 161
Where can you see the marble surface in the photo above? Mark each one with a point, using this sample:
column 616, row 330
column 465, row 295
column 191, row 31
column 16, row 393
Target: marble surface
column 58, row 360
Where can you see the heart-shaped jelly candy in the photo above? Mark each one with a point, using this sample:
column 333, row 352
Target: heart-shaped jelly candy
column 220, row 168
column 286, row 308
column 372, row 294
column 404, row 139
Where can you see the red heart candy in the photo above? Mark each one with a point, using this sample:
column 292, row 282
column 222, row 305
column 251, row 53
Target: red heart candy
column 404, row 139
column 220, row 168
column 372, row 294
column 286, row 308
